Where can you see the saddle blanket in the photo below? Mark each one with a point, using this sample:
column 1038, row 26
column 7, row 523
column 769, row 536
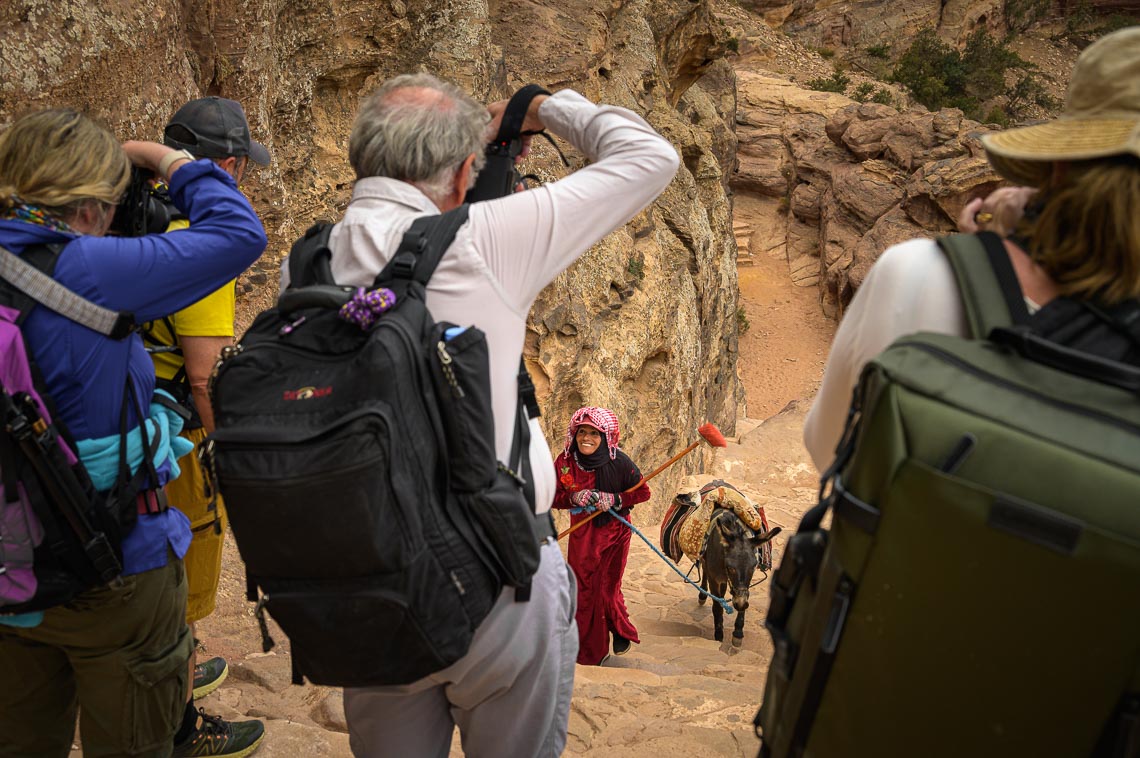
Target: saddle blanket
column 684, row 528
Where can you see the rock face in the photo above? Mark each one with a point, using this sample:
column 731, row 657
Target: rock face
column 852, row 178
column 645, row 323
column 832, row 24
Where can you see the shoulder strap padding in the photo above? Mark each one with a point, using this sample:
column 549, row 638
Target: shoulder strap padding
column 422, row 247
column 310, row 260
column 990, row 290
column 31, row 277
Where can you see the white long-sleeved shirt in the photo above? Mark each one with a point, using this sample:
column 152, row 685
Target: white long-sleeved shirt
column 911, row 288
column 512, row 247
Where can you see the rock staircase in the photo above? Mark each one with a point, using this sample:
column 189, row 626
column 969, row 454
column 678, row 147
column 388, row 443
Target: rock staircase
column 742, row 230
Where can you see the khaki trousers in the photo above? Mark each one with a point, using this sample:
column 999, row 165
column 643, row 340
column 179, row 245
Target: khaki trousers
column 510, row 695
column 118, row 654
column 203, row 559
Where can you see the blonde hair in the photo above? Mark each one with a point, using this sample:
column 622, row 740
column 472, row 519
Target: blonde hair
column 1087, row 234
column 60, row 159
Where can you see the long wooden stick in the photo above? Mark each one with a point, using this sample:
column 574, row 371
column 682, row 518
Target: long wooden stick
column 708, row 432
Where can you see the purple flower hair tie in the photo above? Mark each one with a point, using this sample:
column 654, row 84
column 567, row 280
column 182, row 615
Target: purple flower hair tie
column 366, row 306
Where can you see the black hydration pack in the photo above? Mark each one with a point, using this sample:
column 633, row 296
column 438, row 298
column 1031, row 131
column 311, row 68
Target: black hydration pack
column 359, row 471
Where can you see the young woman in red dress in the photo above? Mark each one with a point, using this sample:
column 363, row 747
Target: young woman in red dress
column 592, row 471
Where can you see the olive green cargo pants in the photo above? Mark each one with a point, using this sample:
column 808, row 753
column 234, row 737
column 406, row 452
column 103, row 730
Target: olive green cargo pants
column 118, row 654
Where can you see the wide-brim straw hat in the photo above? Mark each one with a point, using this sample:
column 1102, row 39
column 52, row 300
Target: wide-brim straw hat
column 1101, row 117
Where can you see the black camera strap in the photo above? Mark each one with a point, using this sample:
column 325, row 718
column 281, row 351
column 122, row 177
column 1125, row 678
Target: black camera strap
column 510, row 128
column 498, row 178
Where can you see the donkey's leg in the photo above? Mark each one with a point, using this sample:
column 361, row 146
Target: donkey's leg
column 718, row 613
column 738, row 630
column 702, row 598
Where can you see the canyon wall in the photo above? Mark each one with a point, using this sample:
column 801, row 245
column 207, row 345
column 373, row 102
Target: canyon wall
column 645, row 323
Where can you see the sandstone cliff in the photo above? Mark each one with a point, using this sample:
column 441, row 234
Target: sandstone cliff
column 833, row 24
column 645, row 323
column 857, row 24
column 847, row 180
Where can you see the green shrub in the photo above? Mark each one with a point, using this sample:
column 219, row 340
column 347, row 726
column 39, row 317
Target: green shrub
column 938, row 76
column 825, row 52
column 837, row 82
column 733, row 44
column 881, row 51
column 862, row 93
column 742, row 322
column 1028, row 91
column 883, row 96
column 636, row 268
column 997, row 116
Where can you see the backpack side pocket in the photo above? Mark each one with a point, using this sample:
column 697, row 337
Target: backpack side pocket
column 462, row 381
column 505, row 524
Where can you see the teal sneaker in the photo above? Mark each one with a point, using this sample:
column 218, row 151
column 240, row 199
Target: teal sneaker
column 220, row 738
column 208, row 675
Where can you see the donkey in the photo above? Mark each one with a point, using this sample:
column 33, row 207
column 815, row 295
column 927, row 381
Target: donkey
column 729, row 561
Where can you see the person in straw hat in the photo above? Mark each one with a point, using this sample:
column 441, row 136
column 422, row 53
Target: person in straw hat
column 1075, row 249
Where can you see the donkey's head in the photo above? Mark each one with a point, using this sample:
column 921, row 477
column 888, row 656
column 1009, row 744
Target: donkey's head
column 737, row 547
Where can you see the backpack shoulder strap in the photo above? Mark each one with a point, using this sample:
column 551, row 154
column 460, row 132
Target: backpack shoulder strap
column 29, row 279
column 985, row 276
column 422, row 247
column 310, row 260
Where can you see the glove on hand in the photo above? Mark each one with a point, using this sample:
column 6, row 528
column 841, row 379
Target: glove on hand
column 582, row 498
column 606, row 500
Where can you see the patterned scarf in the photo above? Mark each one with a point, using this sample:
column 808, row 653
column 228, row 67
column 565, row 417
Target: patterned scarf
column 35, row 214
column 602, row 419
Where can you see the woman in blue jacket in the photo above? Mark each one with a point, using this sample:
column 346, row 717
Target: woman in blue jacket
column 118, row 652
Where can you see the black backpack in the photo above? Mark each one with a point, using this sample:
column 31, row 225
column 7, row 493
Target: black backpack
column 359, row 475
column 58, row 536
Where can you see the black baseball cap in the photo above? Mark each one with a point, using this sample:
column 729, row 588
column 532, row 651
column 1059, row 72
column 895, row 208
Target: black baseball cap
column 214, row 127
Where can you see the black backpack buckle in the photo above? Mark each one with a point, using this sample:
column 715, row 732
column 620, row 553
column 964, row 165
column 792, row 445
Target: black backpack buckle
column 404, row 264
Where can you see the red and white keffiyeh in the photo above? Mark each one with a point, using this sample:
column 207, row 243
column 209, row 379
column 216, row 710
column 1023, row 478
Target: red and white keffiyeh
column 602, row 419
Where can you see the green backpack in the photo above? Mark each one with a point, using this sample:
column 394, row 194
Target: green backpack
column 978, row 590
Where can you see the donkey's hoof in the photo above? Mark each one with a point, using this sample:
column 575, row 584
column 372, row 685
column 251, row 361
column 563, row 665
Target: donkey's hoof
column 718, row 636
column 702, row 598
column 737, row 641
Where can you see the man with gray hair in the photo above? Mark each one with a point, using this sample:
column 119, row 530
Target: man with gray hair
column 416, row 147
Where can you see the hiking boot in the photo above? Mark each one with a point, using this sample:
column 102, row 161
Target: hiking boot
column 217, row 737
column 208, row 675
column 621, row 645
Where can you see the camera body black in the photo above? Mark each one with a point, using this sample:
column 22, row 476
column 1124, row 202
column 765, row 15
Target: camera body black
column 146, row 207
column 499, row 176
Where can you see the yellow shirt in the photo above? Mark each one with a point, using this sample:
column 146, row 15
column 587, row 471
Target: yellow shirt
column 212, row 316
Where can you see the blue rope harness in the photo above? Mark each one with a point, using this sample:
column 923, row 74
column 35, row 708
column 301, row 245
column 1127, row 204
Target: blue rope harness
column 723, row 603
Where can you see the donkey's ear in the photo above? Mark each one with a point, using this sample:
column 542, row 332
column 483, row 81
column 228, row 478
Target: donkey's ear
column 758, row 541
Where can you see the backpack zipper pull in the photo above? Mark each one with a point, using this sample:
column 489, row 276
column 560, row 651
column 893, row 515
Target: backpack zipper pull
column 288, row 328
column 448, row 373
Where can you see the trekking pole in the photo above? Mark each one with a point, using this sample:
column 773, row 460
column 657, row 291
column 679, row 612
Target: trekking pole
column 38, row 442
column 709, row 433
